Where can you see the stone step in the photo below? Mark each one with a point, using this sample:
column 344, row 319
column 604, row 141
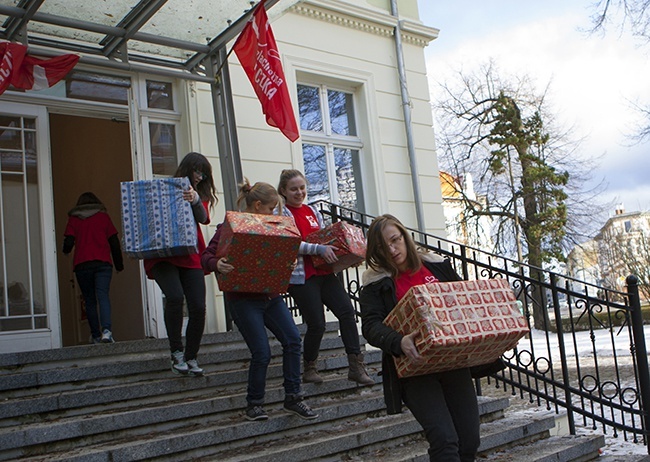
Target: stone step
column 344, row 423
column 152, row 388
column 121, row 402
column 567, row 448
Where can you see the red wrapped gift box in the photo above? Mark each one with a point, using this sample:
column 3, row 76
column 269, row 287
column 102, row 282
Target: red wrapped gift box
column 262, row 248
column 461, row 324
column 349, row 240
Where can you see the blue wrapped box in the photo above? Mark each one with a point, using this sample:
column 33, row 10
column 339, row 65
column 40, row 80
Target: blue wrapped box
column 156, row 220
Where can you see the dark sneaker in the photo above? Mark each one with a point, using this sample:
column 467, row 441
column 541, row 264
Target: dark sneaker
column 179, row 366
column 107, row 336
column 193, row 367
column 300, row 408
column 95, row 340
column 255, row 412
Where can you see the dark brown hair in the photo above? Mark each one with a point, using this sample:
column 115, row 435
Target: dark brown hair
column 378, row 254
column 195, row 161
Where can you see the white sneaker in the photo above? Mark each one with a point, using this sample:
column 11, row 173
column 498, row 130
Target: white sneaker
column 107, row 336
column 179, row 366
column 193, row 367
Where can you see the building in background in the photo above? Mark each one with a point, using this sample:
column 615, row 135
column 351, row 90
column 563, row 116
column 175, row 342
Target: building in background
column 473, row 231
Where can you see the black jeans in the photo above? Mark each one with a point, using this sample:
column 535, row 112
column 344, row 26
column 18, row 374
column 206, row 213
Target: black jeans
column 445, row 405
column 310, row 297
column 178, row 283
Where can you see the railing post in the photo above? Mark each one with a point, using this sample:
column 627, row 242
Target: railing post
column 566, row 378
column 640, row 352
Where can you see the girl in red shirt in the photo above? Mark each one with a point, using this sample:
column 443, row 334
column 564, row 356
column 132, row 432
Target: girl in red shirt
column 92, row 233
column 182, row 277
column 311, row 288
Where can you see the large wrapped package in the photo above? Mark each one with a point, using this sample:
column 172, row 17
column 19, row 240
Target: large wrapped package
column 262, row 248
column 461, row 324
column 349, row 240
column 156, row 220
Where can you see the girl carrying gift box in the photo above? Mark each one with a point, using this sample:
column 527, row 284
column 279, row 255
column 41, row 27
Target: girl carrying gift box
column 181, row 277
column 254, row 312
column 444, row 403
column 311, row 288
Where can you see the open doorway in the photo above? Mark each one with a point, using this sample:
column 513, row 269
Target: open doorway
column 90, row 154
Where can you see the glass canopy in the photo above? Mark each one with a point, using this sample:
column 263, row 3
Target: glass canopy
column 174, row 35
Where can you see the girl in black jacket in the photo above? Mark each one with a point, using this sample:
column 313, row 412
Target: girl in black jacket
column 443, row 403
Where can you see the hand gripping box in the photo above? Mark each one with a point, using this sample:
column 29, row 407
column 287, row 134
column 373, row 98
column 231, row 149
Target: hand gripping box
column 461, row 324
column 156, row 220
column 349, row 240
column 262, row 248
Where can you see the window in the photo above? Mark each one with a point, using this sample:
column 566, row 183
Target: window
column 330, row 145
column 162, row 122
column 628, row 226
column 22, row 280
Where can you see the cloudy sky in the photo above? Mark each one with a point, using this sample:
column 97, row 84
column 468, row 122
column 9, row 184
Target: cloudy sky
column 593, row 77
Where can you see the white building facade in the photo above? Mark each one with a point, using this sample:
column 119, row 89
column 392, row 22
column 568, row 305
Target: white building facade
column 103, row 126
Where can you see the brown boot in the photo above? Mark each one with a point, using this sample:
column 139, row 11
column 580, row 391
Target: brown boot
column 310, row 373
column 357, row 372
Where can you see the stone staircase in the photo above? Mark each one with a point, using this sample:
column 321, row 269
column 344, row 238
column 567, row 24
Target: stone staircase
column 120, row 402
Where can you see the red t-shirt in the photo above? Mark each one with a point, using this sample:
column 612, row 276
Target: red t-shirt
column 307, row 223
column 91, row 237
column 183, row 261
column 404, row 281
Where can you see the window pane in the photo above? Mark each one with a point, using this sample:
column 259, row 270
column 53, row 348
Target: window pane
column 163, row 148
column 309, row 107
column 17, row 277
column 347, row 178
column 9, row 121
column 98, row 87
column 316, row 172
column 159, row 95
column 11, row 139
column 341, row 113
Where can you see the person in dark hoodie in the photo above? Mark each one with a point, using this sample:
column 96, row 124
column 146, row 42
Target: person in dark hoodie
column 97, row 248
column 444, row 403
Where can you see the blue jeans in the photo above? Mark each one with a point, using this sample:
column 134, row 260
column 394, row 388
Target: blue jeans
column 94, row 284
column 251, row 316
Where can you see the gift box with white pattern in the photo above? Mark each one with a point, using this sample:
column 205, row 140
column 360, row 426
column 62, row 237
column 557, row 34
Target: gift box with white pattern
column 156, row 220
column 461, row 324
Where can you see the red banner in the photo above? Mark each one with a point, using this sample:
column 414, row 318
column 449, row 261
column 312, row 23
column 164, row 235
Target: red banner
column 258, row 54
column 11, row 57
column 28, row 72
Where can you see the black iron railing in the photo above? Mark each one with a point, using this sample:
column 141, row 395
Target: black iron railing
column 587, row 355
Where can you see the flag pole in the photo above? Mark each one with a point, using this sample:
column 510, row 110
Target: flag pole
column 217, row 73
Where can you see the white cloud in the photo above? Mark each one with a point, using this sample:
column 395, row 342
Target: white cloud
column 594, row 79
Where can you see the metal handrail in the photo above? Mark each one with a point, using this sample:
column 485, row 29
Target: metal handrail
column 589, row 357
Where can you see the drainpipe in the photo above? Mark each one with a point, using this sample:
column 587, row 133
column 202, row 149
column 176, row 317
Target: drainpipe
column 406, row 106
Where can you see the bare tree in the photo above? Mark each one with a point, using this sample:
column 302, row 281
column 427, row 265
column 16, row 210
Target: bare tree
column 501, row 131
column 624, row 14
